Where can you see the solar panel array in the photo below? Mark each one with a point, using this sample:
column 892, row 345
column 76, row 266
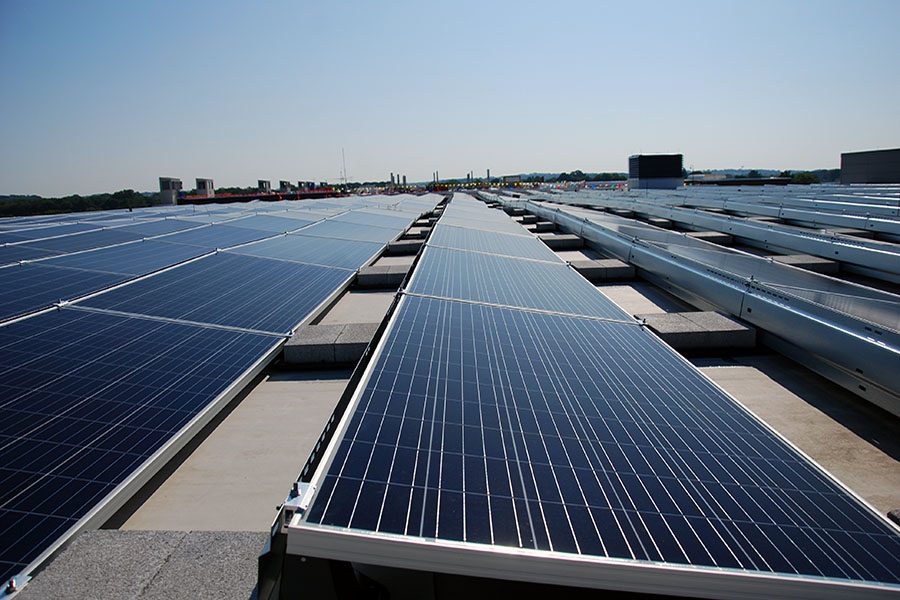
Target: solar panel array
column 149, row 336
column 485, row 424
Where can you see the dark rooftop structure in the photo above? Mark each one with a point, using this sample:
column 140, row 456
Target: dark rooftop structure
column 871, row 166
column 655, row 171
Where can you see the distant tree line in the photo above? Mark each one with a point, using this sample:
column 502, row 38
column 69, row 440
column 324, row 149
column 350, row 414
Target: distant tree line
column 581, row 176
column 816, row 176
column 20, row 206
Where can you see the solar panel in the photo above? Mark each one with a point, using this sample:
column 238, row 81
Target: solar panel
column 301, row 215
column 507, row 281
column 275, row 224
column 346, row 254
column 86, row 399
column 352, row 231
column 53, row 230
column 229, row 289
column 560, row 436
column 484, row 220
column 10, row 238
column 30, row 287
column 380, row 218
column 138, row 258
column 216, row 236
column 491, row 242
column 13, row 254
column 160, row 227
column 200, row 218
column 85, row 241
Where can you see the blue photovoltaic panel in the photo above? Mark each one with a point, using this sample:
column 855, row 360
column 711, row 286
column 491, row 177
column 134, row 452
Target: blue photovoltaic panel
column 491, row 242
column 200, row 218
column 385, row 219
column 275, row 224
column 85, row 241
column 516, row 282
column 301, row 215
column 160, row 227
column 229, row 289
column 10, row 238
column 500, row 223
column 13, row 254
column 514, row 428
column 352, row 231
column 138, row 258
column 347, row 254
column 53, row 230
column 216, row 236
column 85, row 399
column 29, row 287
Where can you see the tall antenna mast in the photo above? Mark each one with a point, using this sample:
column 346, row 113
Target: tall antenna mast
column 343, row 167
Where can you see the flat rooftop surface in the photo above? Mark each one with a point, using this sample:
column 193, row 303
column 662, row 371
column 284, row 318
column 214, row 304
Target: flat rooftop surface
column 855, row 441
column 145, row 565
column 236, row 477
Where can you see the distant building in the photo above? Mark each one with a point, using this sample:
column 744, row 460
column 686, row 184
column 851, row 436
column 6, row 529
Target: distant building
column 205, row 188
column 168, row 190
column 655, row 171
column 284, row 186
column 264, row 186
column 511, row 179
column 872, row 166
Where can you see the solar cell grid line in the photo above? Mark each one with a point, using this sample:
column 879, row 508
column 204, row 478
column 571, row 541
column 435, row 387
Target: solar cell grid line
column 50, row 231
column 370, row 217
column 84, row 240
column 352, row 231
column 505, row 281
column 273, row 223
column 135, row 258
column 483, row 218
column 30, row 287
column 542, row 436
column 15, row 253
column 346, row 254
column 215, row 236
column 158, row 227
column 11, row 238
column 227, row 289
column 114, row 399
column 462, row 238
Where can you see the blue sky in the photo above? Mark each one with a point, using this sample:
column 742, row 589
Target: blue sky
column 104, row 95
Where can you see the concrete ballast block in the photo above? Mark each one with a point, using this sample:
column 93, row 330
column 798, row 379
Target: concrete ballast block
column 541, row 227
column 809, row 262
column 313, row 344
column 622, row 212
column 352, row 342
column 561, row 241
column 403, row 247
column 701, row 331
column 416, row 233
column 329, row 344
column 660, row 222
column 861, row 233
column 381, row 277
column 608, row 269
column 715, row 237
